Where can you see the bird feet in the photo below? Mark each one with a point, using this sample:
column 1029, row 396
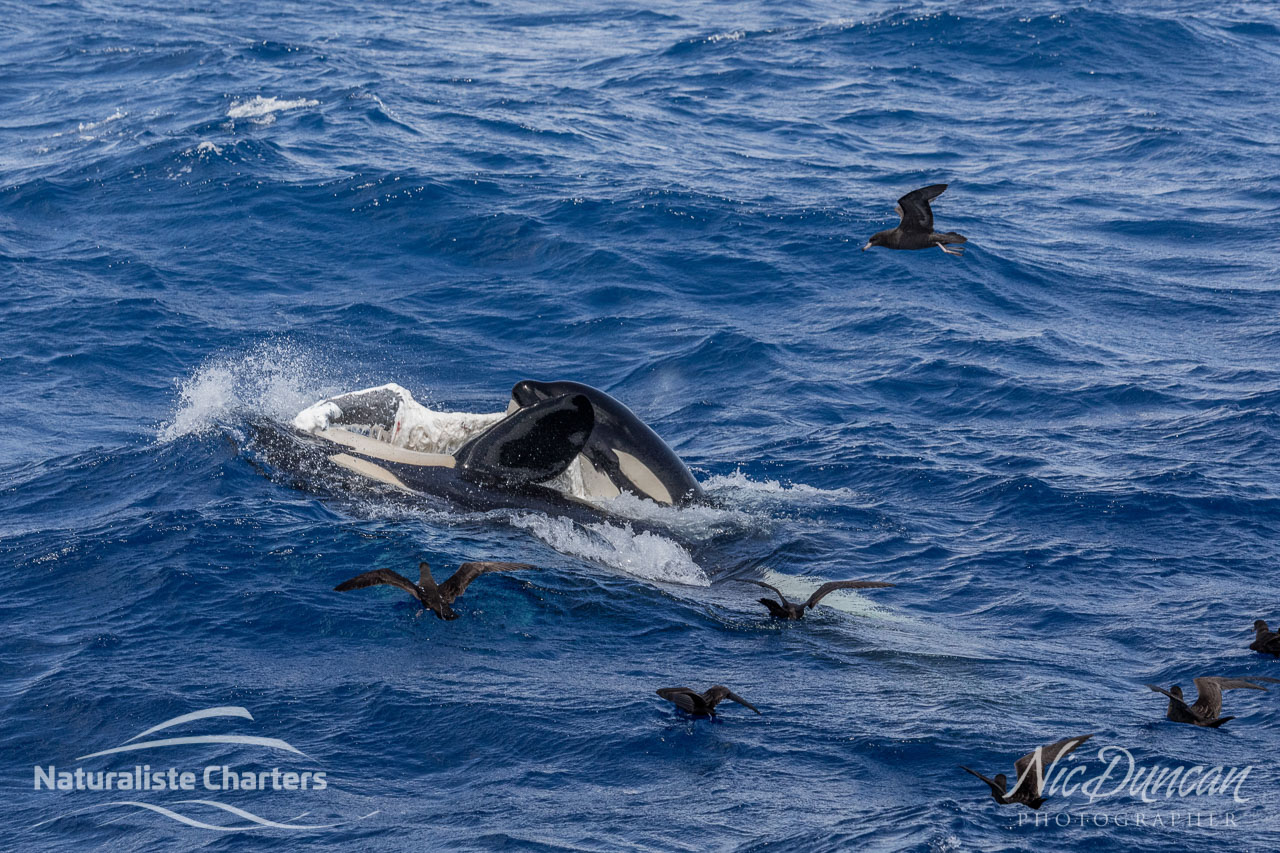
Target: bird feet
column 957, row 251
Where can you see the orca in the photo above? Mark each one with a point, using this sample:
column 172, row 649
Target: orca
column 622, row 452
column 505, row 460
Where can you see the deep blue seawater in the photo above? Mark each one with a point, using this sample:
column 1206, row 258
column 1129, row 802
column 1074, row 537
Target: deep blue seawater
column 1061, row 447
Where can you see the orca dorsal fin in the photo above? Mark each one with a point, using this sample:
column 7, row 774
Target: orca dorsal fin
column 530, row 445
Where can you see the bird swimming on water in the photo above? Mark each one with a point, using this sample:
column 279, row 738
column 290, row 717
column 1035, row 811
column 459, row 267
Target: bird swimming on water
column 784, row 609
column 1207, row 709
column 434, row 597
column 1265, row 640
column 702, row 704
column 915, row 231
column 1030, row 769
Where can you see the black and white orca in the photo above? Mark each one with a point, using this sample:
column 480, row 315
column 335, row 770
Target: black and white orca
column 548, row 427
column 622, row 454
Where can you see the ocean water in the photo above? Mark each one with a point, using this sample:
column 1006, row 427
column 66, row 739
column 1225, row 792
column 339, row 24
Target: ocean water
column 1060, row 447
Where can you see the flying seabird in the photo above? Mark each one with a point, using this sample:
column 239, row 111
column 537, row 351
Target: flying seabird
column 786, row 610
column 1265, row 641
column 915, row 231
column 702, row 704
column 435, row 598
column 1208, row 705
column 1030, row 769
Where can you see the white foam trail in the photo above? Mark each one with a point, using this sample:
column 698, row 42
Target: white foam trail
column 85, row 126
column 751, row 494
column 798, row 589
column 696, row 522
column 913, row 633
column 259, row 106
column 273, row 380
column 644, row 555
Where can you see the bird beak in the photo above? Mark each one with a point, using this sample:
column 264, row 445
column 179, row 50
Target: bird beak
column 868, row 246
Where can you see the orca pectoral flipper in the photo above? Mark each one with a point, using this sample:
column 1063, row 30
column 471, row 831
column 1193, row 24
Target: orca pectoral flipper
column 530, row 445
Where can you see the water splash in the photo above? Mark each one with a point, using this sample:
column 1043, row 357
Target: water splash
column 274, row 379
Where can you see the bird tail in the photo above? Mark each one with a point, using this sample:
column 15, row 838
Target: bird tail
column 953, row 237
column 1218, row 722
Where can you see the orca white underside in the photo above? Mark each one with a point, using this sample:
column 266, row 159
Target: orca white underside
column 580, row 480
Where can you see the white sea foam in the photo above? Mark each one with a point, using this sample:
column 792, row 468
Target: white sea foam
column 258, row 106
column 84, row 127
column 273, row 380
column 697, row 522
column 738, row 489
column 799, row 589
column 115, row 116
column 645, row 555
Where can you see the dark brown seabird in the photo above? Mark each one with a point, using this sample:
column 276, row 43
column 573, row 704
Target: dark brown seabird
column 1030, row 769
column 702, row 704
column 1265, row 640
column 1207, row 709
column 435, row 598
column 783, row 609
column 915, row 231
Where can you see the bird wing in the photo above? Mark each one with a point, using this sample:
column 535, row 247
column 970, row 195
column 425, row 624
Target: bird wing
column 995, row 789
column 714, row 695
column 1181, row 702
column 682, row 697
column 736, row 698
column 424, row 576
column 831, row 586
column 380, row 576
column 1031, row 767
column 776, row 591
column 914, row 206
column 1209, row 692
column 467, row 572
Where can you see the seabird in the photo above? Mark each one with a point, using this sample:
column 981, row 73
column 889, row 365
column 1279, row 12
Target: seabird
column 1266, row 641
column 1030, row 769
column 435, row 598
column 1208, row 705
column 784, row 609
column 702, row 704
column 915, row 231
